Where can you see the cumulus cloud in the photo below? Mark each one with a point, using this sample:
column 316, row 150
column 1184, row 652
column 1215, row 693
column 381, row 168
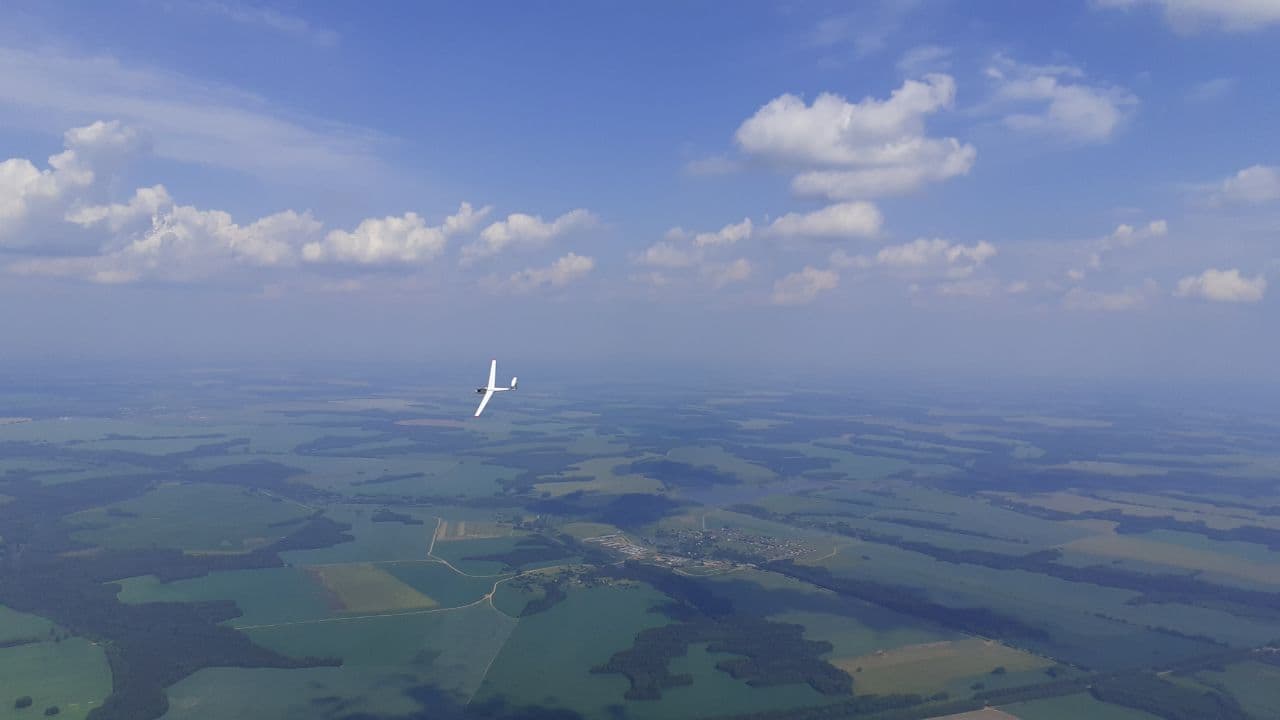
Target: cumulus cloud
column 185, row 244
column 32, row 199
column 1124, row 236
column 842, row 220
column 727, row 235
column 558, row 274
column 152, row 237
column 922, row 256
column 1059, row 101
column 522, row 230
column 145, row 204
column 1222, row 286
column 1253, row 185
column 669, row 255
column 1131, row 298
column 392, row 239
column 802, row 287
column 857, row 150
column 1188, row 16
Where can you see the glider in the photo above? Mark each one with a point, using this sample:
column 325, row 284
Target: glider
column 492, row 388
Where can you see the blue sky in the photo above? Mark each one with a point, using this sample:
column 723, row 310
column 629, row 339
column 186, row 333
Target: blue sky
column 1051, row 189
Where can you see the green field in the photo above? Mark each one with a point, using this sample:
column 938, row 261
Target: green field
column 265, row 694
column 1074, row 707
column 17, row 626
column 537, row 667
column 449, row 648
column 268, row 596
column 228, row 519
column 436, row 580
column 71, row 675
column 1256, row 685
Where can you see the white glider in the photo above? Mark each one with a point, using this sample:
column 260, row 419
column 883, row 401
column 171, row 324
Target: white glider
column 492, row 388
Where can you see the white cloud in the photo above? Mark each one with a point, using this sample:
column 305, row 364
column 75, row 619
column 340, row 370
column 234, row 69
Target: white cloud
column 668, row 255
column 34, row 200
column 727, row 235
column 922, row 256
column 185, row 119
column 521, row 230
column 1253, row 185
column 466, row 220
column 1131, row 298
column 1067, row 106
column 721, row 275
column 842, row 220
column 1124, row 236
column 925, row 161
column 403, row 239
column 833, row 131
column 558, row 274
column 802, row 287
column 1189, row 16
column 858, row 150
column 1222, row 286
column 145, row 204
column 186, row 244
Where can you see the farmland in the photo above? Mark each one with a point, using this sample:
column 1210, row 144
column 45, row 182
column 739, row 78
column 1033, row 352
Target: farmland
column 332, row 555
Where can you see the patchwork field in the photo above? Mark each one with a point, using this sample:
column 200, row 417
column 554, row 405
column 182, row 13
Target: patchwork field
column 798, row 529
column 366, row 588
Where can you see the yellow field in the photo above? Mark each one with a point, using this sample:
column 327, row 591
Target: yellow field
column 581, row 530
column 983, row 714
column 432, row 422
column 470, row 530
column 928, row 667
column 1115, row 469
column 364, row 588
column 1133, row 548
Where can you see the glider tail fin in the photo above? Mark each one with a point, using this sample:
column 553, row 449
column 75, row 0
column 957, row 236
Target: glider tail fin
column 514, row 381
